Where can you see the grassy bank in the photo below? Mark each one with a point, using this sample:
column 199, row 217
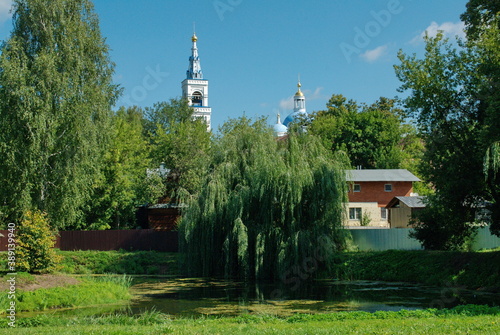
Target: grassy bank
column 87, row 292
column 473, row 270
column 464, row 319
column 120, row 262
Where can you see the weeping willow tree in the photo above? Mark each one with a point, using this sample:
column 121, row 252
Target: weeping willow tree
column 266, row 209
column 492, row 173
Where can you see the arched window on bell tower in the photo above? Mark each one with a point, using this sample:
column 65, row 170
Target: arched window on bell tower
column 197, row 99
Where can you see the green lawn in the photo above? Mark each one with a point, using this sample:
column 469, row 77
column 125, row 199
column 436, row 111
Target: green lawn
column 450, row 325
column 468, row 319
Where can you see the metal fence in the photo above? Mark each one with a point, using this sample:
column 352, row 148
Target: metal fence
column 398, row 239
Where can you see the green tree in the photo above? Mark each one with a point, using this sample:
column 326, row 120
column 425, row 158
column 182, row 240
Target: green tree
column 444, row 91
column 480, row 14
column 124, row 176
column 181, row 142
column 370, row 135
column 56, row 94
column 463, row 98
column 35, row 242
column 492, row 175
column 267, row 209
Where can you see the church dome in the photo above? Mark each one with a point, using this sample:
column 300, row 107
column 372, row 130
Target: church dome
column 299, row 92
column 279, row 128
column 294, row 116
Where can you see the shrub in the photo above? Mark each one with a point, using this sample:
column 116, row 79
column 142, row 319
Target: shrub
column 35, row 242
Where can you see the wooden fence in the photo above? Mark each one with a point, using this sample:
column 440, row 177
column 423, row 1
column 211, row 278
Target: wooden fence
column 140, row 239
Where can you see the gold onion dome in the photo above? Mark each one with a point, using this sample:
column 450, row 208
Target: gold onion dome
column 194, row 38
column 299, row 92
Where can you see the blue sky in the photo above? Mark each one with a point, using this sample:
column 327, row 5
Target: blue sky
column 253, row 50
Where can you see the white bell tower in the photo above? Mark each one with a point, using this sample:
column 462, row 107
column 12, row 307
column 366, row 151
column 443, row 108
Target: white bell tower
column 195, row 88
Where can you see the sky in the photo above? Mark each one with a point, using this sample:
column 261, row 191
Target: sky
column 253, row 51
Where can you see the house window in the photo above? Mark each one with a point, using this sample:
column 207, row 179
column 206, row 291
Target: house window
column 356, row 188
column 383, row 214
column 354, row 213
column 388, row 187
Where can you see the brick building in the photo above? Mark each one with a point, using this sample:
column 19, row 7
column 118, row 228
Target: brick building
column 370, row 191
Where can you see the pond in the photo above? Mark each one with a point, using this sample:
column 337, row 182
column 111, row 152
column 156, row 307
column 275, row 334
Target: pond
column 193, row 297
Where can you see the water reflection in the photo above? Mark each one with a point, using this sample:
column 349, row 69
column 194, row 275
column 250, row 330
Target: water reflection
column 188, row 297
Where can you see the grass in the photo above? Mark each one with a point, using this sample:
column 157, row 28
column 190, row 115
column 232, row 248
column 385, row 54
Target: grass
column 120, row 262
column 438, row 268
column 460, row 320
column 91, row 291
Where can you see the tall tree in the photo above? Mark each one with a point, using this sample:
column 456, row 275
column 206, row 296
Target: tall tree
column 181, row 142
column 455, row 97
column 444, row 99
column 124, row 174
column 488, row 48
column 268, row 209
column 56, row 94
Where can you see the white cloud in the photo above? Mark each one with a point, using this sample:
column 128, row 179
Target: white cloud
column 5, row 6
column 315, row 95
column 286, row 104
column 449, row 29
column 371, row 56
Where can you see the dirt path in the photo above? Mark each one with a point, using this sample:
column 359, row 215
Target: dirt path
column 36, row 282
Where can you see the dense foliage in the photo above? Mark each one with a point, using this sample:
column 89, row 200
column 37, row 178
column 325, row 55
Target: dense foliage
column 35, row 243
column 181, row 142
column 267, row 206
column 56, row 94
column 124, row 182
column 373, row 137
column 454, row 98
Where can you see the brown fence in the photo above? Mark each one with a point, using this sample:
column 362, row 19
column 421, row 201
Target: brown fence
column 140, row 239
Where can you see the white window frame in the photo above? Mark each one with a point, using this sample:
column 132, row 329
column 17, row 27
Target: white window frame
column 356, row 188
column 355, row 213
column 388, row 187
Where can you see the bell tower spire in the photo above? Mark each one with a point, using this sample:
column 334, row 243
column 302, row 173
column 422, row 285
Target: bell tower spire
column 194, row 70
column 195, row 88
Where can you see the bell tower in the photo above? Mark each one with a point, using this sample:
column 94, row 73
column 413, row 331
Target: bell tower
column 195, row 88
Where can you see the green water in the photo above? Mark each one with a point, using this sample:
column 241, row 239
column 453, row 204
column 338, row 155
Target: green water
column 187, row 297
column 195, row 297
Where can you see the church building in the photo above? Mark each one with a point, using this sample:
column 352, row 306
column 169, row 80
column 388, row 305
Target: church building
column 299, row 110
column 195, row 88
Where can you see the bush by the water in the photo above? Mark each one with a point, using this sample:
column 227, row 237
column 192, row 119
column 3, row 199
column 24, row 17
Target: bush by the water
column 35, row 242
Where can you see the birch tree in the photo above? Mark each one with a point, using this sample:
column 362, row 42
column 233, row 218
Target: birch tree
column 56, row 94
